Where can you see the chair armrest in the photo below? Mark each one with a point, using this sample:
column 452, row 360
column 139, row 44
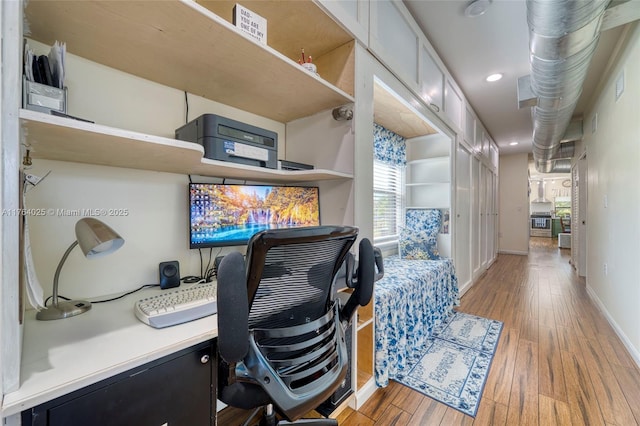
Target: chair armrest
column 363, row 283
column 233, row 308
column 379, row 264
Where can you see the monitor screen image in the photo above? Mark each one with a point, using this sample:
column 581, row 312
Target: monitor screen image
column 228, row 215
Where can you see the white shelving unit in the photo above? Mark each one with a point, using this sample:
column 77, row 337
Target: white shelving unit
column 428, row 178
column 184, row 45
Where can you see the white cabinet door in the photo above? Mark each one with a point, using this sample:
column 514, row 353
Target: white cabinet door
column 477, row 146
column 352, row 14
column 469, row 127
column 494, row 154
column 453, row 104
column 486, row 141
column 394, row 38
column 431, row 80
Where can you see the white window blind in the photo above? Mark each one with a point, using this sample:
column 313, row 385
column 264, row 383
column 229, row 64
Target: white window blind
column 388, row 200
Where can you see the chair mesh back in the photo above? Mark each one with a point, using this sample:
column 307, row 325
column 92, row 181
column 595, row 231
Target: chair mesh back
column 295, row 284
column 297, row 349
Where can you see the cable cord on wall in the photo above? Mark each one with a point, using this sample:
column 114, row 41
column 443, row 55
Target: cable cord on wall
column 186, row 105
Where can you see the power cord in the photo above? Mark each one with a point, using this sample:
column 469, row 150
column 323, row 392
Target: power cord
column 106, row 300
column 126, row 294
column 207, row 273
column 192, row 279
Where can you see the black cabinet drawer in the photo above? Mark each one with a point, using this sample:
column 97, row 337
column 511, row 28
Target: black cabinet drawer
column 177, row 390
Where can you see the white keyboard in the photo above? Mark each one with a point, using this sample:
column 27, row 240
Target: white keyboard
column 178, row 306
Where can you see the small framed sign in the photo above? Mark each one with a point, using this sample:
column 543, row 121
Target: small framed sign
column 250, row 23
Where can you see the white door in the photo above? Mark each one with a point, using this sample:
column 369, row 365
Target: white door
column 485, row 205
column 496, row 209
column 463, row 216
column 475, row 217
column 580, row 238
column 492, row 225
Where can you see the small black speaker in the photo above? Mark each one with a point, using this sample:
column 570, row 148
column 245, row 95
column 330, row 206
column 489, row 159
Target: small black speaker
column 169, row 274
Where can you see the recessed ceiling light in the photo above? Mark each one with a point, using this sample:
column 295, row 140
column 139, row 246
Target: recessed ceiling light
column 494, row 77
column 476, row 8
column 513, row 143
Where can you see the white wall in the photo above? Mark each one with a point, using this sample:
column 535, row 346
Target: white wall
column 613, row 206
column 513, row 229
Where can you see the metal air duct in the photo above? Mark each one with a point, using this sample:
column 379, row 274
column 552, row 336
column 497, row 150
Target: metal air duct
column 563, row 35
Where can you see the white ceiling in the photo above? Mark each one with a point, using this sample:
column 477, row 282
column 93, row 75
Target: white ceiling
column 496, row 42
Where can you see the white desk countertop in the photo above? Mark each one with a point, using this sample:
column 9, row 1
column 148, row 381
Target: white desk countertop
column 65, row 355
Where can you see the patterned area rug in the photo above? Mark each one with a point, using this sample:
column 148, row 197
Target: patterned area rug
column 453, row 367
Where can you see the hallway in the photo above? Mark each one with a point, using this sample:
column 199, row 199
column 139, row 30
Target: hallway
column 558, row 362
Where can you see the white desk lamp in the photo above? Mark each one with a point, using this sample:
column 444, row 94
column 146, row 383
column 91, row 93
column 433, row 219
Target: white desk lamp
column 95, row 240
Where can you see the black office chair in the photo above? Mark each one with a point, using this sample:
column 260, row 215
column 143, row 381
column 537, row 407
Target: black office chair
column 280, row 328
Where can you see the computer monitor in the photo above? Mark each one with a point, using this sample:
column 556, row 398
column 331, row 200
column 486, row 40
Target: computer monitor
column 228, row 214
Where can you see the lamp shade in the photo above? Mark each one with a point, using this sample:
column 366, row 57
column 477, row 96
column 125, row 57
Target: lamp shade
column 96, row 238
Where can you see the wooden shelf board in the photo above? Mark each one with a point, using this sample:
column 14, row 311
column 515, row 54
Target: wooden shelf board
column 362, row 378
column 240, row 171
column 365, row 341
column 291, row 25
column 64, row 139
column 363, row 323
column 394, row 115
column 443, row 159
column 429, row 207
column 181, row 44
column 427, row 183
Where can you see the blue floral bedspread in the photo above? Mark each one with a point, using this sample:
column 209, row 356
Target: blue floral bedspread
column 410, row 300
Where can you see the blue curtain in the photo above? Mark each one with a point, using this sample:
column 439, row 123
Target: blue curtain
column 389, row 147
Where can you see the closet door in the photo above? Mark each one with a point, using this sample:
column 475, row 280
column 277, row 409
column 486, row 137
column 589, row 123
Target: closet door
column 484, row 217
column 475, row 217
column 491, row 216
column 463, row 229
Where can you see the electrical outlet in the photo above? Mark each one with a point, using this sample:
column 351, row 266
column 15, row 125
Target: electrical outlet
column 606, row 201
column 606, row 269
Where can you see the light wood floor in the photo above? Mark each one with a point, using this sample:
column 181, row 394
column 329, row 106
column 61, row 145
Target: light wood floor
column 558, row 361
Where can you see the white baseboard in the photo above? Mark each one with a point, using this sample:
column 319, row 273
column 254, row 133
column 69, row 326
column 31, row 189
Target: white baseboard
column 349, row 402
column 465, row 287
column 518, row 252
column 364, row 393
column 633, row 351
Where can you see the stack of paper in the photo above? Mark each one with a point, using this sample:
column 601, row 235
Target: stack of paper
column 46, row 69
